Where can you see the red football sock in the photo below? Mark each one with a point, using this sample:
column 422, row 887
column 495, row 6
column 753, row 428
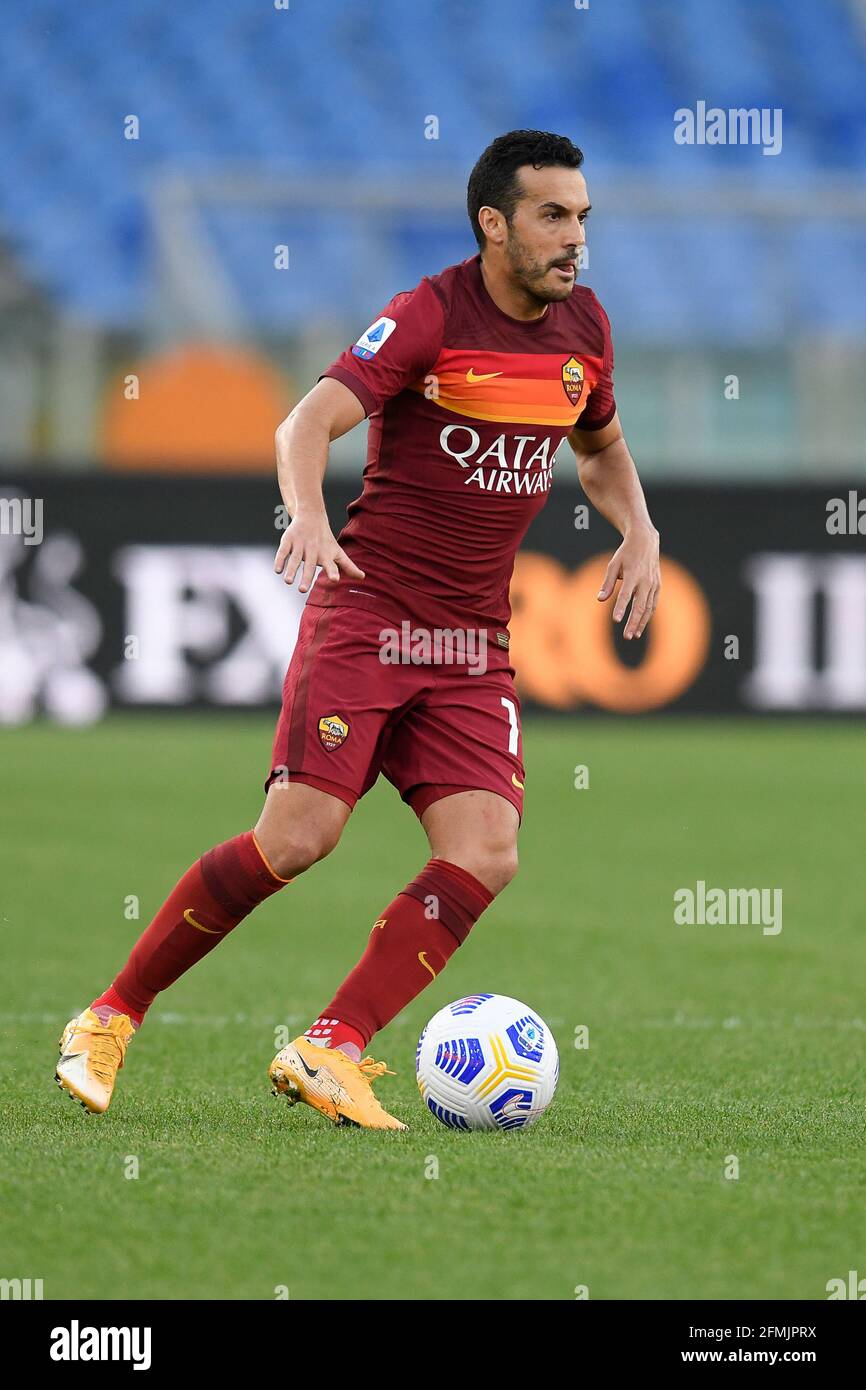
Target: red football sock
column 409, row 946
column 217, row 893
column 331, row 1032
column 111, row 1003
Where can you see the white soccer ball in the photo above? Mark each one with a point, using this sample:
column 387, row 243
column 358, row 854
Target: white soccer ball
column 487, row 1062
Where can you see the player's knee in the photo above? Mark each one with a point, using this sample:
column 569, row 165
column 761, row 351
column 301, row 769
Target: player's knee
column 502, row 868
column 300, row 847
column 493, row 864
column 296, row 831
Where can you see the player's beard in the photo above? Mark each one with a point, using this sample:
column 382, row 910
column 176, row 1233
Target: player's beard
column 530, row 273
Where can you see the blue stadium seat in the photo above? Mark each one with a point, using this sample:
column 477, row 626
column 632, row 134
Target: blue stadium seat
column 221, row 83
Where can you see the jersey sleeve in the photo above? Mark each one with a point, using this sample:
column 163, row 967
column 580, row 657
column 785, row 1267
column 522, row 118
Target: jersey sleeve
column 601, row 406
column 400, row 346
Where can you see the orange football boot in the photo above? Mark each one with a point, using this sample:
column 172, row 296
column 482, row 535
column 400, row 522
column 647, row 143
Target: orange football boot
column 91, row 1055
column 331, row 1083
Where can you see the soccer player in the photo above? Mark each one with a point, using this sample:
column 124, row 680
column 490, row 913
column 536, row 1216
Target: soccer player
column 471, row 381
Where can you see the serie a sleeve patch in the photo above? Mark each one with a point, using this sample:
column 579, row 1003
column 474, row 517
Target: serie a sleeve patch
column 373, row 338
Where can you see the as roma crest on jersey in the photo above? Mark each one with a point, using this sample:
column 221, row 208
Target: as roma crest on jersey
column 572, row 379
column 333, row 731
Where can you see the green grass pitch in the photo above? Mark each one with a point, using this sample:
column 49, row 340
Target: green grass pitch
column 704, row 1041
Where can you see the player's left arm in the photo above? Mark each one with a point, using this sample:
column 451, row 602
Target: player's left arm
column 609, row 479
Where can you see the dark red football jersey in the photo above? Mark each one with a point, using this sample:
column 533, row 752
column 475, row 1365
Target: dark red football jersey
column 467, row 408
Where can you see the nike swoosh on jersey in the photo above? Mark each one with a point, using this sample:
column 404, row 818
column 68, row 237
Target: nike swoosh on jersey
column 516, row 780
column 188, row 917
column 472, row 375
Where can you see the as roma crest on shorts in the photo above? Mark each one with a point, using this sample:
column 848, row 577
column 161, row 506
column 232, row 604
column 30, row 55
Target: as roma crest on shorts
column 572, row 379
column 333, row 731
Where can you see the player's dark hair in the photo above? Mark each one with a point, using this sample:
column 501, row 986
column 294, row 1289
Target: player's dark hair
column 494, row 183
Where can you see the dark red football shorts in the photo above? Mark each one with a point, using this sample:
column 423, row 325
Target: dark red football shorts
column 433, row 729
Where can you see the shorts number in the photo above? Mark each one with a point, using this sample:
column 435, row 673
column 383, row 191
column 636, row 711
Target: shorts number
column 513, row 726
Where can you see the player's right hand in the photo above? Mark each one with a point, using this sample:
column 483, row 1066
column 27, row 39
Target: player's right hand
column 307, row 543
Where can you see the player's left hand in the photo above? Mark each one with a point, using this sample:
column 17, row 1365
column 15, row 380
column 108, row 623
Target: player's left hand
column 636, row 563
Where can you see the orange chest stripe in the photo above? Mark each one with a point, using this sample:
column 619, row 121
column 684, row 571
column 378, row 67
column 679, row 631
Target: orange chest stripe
column 543, row 366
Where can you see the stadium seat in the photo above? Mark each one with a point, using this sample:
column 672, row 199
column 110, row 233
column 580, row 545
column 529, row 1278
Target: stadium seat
column 221, row 85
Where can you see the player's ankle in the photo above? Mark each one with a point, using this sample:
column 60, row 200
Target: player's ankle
column 333, row 1033
column 110, row 1003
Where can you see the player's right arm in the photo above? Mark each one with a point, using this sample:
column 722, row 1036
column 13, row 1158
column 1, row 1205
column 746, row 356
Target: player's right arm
column 398, row 347
column 302, row 440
